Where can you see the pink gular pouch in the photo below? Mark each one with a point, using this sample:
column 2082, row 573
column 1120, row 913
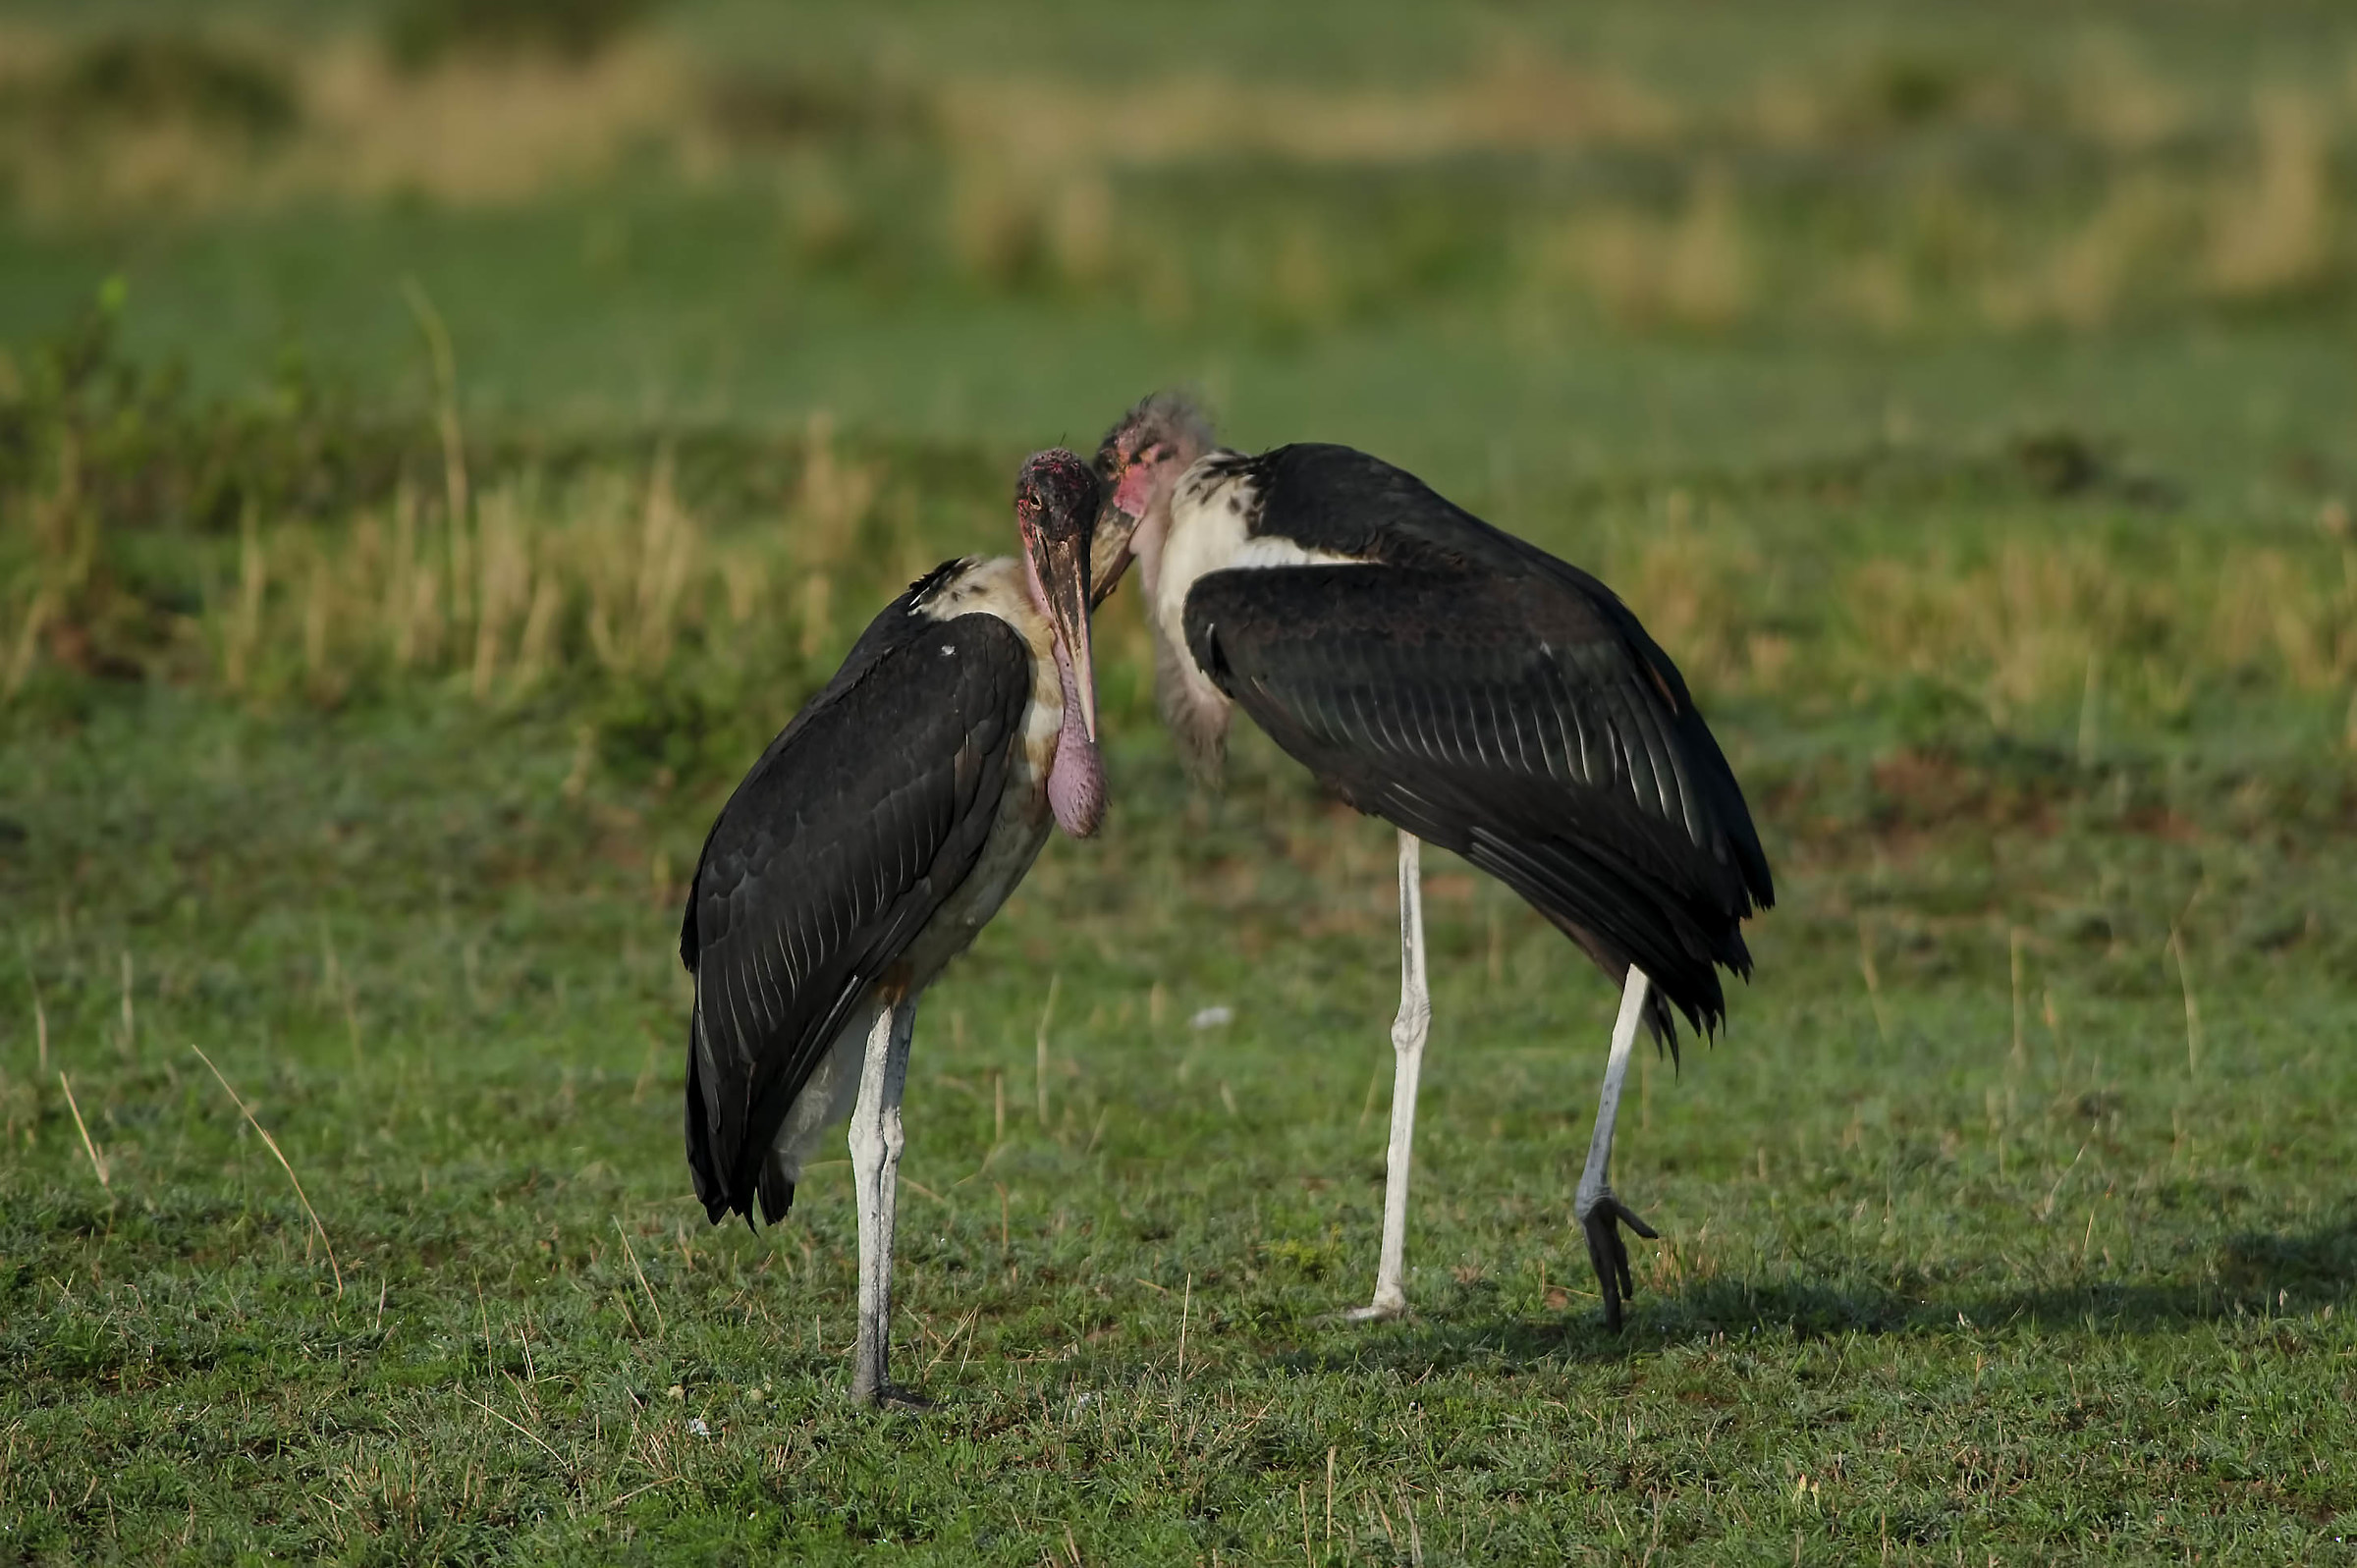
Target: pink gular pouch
column 1076, row 779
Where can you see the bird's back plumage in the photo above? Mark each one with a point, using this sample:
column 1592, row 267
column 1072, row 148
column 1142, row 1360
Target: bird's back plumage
column 1492, row 701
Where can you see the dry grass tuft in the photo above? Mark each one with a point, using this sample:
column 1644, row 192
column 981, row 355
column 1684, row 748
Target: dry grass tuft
column 2270, row 229
column 636, row 585
column 2022, row 629
column 609, row 575
column 477, row 129
column 1695, row 581
column 2115, row 98
column 1046, row 182
column 1524, row 101
column 2020, row 633
column 1083, row 227
column 2082, row 281
column 470, row 131
column 1693, row 270
column 997, row 220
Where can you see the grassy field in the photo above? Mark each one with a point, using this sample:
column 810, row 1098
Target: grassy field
column 432, row 463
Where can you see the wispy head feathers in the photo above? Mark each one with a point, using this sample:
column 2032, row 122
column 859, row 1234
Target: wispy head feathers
column 1171, row 415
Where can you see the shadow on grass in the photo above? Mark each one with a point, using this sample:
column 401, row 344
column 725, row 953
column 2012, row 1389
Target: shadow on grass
column 2252, row 1273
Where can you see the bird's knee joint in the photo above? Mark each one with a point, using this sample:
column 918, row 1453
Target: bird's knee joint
column 1411, row 1026
column 867, row 1147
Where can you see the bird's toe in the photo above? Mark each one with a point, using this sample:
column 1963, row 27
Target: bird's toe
column 1383, row 1309
column 1608, row 1252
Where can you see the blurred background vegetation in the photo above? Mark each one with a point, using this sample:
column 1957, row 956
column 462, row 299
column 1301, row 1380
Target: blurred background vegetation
column 1960, row 370
column 1944, row 364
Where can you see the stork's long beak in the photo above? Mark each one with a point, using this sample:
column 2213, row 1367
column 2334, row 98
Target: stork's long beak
column 1064, row 576
column 1109, row 553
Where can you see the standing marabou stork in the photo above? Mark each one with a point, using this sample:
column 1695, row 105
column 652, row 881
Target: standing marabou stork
column 1476, row 692
column 875, row 836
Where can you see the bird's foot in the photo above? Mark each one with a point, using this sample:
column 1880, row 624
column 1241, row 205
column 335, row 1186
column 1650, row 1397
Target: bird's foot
column 1602, row 1216
column 891, row 1396
column 1389, row 1306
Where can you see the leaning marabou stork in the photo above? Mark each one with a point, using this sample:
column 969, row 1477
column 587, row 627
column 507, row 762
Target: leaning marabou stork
column 1476, row 692
column 875, row 836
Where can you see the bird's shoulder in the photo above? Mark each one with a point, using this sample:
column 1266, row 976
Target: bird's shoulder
column 1336, row 501
column 938, row 656
column 919, row 690
column 1318, row 502
column 991, row 585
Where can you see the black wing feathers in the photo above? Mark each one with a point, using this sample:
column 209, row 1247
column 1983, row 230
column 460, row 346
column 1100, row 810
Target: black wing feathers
column 859, row 819
column 1496, row 701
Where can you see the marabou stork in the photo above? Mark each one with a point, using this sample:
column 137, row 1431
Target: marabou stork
column 1476, row 692
column 870, row 844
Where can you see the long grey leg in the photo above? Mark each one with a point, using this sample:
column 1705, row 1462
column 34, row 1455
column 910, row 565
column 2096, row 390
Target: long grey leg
column 1408, row 1029
column 876, row 1143
column 1600, row 1211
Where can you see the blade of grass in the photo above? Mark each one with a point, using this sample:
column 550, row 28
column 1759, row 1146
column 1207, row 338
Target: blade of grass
column 446, row 394
column 89, row 1147
column 632, row 1253
column 518, row 1425
column 280, row 1156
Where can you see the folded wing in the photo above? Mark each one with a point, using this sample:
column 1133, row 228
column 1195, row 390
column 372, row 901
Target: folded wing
column 842, row 842
column 1520, row 722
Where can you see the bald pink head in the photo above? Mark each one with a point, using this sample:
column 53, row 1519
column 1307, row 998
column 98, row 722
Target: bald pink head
column 1056, row 499
column 1146, row 451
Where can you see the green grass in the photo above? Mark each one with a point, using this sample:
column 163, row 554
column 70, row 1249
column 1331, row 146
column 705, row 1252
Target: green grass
column 2067, row 1295
column 2002, row 525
